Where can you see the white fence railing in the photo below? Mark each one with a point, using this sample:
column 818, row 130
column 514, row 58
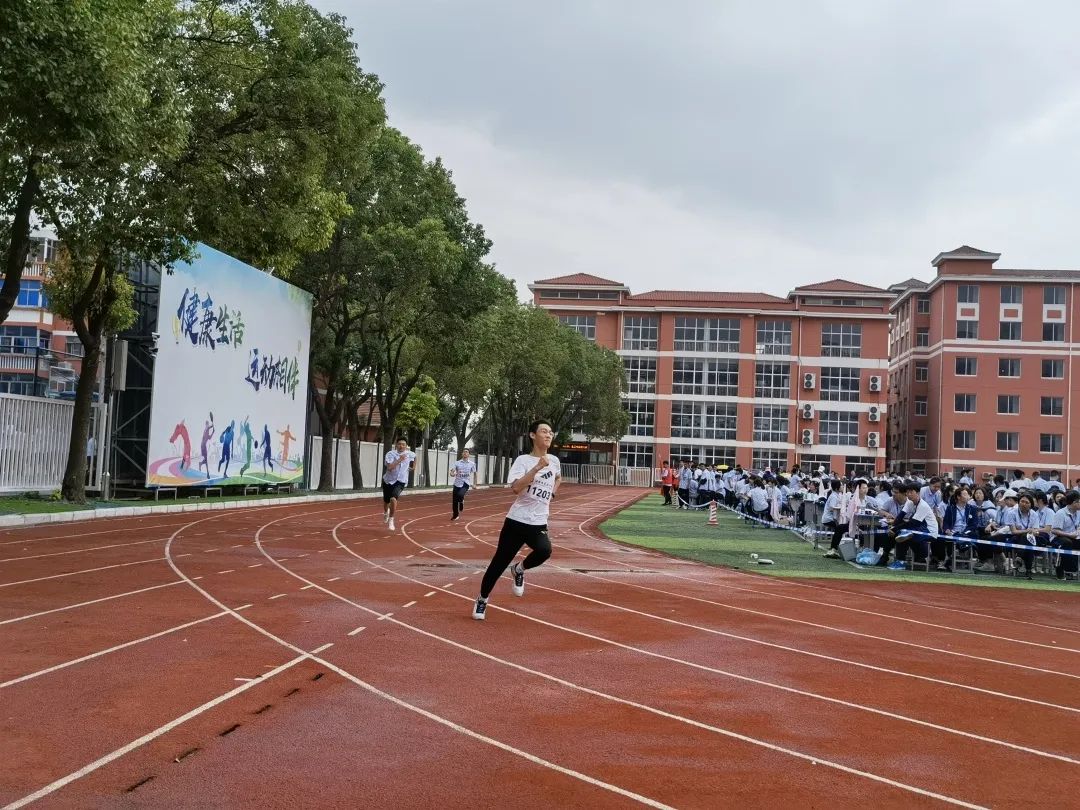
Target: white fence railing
column 439, row 464
column 35, row 434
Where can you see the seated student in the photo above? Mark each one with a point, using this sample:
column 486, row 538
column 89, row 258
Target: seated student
column 758, row 505
column 918, row 522
column 1024, row 529
column 980, row 499
column 891, row 512
column 961, row 520
column 1042, row 506
column 1066, row 534
column 831, row 518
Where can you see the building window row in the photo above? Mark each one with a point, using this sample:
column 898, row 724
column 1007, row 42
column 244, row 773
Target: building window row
column 1007, row 330
column 704, row 420
column 22, row 339
column 1008, row 367
column 838, row 428
column 772, row 380
column 773, row 337
column 705, row 454
column 1009, row 404
column 715, row 378
column 640, row 333
column 707, row 334
column 771, row 423
column 841, row 340
column 636, row 455
column 640, row 375
column 642, row 417
column 584, row 325
column 1008, row 441
column 840, row 384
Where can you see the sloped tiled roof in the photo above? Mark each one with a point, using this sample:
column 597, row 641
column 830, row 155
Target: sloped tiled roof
column 580, row 280
column 1025, row 272
column 965, row 252
column 840, row 285
column 911, row 284
column 706, row 297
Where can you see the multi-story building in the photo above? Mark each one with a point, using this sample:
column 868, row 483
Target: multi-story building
column 983, row 369
column 739, row 377
column 40, row 354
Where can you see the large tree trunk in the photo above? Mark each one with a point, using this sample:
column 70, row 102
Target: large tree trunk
column 74, row 486
column 19, row 244
column 354, row 449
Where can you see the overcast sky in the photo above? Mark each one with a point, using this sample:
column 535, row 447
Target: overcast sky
column 742, row 145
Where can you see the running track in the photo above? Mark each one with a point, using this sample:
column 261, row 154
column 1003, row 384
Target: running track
column 303, row 655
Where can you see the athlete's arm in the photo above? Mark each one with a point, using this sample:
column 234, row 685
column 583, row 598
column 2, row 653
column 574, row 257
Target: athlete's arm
column 519, row 484
column 558, row 481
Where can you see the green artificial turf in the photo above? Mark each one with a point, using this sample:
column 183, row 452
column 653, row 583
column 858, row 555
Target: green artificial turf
column 683, row 533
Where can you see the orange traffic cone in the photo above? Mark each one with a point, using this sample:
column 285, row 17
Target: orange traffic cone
column 712, row 514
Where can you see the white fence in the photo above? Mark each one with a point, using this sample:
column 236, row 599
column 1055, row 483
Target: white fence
column 34, row 437
column 437, row 471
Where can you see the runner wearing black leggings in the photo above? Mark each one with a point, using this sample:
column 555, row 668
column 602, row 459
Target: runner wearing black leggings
column 534, row 478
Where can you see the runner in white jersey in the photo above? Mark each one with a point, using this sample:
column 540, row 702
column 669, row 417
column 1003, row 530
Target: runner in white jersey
column 464, row 476
column 398, row 463
column 534, row 478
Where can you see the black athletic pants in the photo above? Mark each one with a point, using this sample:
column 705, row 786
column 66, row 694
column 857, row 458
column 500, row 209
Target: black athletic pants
column 459, row 498
column 513, row 536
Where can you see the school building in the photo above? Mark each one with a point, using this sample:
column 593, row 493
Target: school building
column 984, row 366
column 738, row 377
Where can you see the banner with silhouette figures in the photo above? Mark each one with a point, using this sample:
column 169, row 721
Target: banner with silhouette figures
column 230, row 378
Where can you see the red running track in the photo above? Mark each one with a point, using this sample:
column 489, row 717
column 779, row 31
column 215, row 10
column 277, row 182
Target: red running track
column 303, row 655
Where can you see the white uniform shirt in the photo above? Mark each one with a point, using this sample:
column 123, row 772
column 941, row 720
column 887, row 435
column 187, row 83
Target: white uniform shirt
column 920, row 513
column 463, row 472
column 400, row 474
column 531, row 506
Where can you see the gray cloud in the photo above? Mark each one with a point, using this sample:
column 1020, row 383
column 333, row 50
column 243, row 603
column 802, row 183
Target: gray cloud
column 741, row 145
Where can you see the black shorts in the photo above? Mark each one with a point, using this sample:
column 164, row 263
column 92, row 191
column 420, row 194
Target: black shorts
column 391, row 491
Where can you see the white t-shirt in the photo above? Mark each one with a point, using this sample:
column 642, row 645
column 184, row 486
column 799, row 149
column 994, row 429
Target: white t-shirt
column 400, row 474
column 463, row 472
column 532, row 505
column 920, row 513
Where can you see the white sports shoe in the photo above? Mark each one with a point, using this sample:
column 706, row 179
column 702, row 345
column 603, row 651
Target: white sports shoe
column 519, row 579
column 479, row 608
column 385, row 517
column 391, row 524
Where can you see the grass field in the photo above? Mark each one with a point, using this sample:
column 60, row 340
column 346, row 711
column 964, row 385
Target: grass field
column 686, row 534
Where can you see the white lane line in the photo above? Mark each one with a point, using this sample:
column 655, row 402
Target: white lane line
column 333, row 579
column 323, row 550
column 83, row 550
column 76, row 573
column 300, row 556
column 88, row 602
column 52, row 787
column 357, row 630
column 462, row 579
column 430, row 593
column 245, row 680
column 238, row 545
column 88, row 534
column 354, row 573
column 306, row 587
column 409, row 604
column 243, row 607
column 207, row 551
column 254, row 565
column 318, row 650
column 449, row 585
column 384, row 616
column 279, row 596
column 409, row 557
column 227, row 571
column 100, row 653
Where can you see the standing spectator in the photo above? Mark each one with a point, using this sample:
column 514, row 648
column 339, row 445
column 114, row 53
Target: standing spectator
column 1055, row 484
column 832, row 520
column 931, row 494
column 1066, row 534
column 965, row 478
column 685, row 474
column 667, row 482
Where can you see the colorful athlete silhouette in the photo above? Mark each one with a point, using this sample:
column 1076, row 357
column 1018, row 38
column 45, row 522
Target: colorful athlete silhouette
column 286, row 437
column 246, row 439
column 226, row 447
column 181, row 432
column 267, row 451
column 208, row 433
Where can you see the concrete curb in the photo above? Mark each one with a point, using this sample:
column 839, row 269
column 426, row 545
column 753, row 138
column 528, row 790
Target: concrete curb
column 14, row 521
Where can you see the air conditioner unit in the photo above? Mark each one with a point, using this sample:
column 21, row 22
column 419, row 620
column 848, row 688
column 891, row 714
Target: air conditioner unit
column 875, row 413
column 807, row 411
column 873, row 439
column 875, row 383
column 808, row 381
column 807, row 436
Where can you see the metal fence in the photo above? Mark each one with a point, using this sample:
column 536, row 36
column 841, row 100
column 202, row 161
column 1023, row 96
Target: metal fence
column 437, row 470
column 609, row 475
column 35, row 434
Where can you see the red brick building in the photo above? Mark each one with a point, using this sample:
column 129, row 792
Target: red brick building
column 739, row 377
column 983, row 363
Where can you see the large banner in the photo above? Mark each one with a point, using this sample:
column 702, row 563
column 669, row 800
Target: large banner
column 230, row 378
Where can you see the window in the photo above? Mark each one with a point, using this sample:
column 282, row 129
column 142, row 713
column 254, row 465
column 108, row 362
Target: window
column 921, row 406
column 1053, row 369
column 1012, row 294
column 1008, row 441
column 636, row 455
column 716, row 378
column 841, row 340
column 838, row 427
column 22, row 339
column 770, row 423
column 772, row 380
column 840, row 384
column 771, row 459
column 1052, row 406
column 24, row 384
column 963, row 439
column 584, row 295
column 707, row 334
column 1009, row 367
column 642, row 417
column 967, row 330
column 922, row 370
column 1010, row 330
column 967, row 366
column 964, row 403
column 922, row 336
column 73, row 346
column 706, row 455
column 860, row 465
column 967, row 294
column 923, row 305
column 1053, row 296
column 809, row 462
column 30, row 295
column 640, row 333
column 918, row 440
column 1054, row 332
column 1049, row 442
column 774, row 337
column 584, row 325
column 704, row 420
column 640, row 375
column 1008, row 403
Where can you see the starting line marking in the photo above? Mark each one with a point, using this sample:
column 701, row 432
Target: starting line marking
column 357, row 630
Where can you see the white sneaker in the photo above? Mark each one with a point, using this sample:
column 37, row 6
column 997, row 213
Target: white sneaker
column 385, row 517
column 986, row 567
column 390, row 524
column 518, row 575
column 479, row 608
